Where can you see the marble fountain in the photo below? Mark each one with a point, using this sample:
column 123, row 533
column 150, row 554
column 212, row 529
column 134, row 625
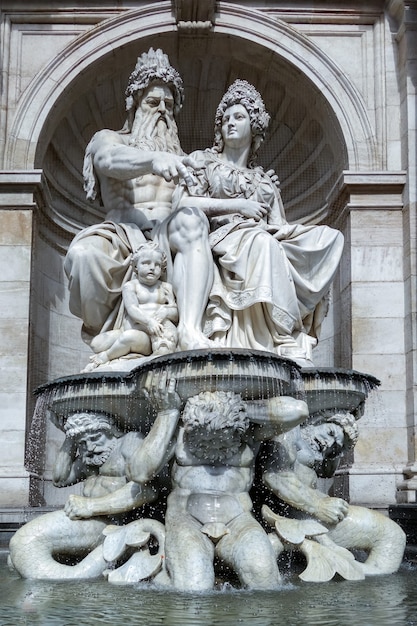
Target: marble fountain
column 206, row 462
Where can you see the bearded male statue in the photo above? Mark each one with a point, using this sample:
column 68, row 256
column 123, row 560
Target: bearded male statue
column 133, row 173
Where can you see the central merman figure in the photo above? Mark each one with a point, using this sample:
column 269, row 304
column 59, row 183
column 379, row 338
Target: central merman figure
column 209, row 512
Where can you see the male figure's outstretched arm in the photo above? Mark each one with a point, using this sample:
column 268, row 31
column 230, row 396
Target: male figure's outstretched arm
column 158, row 446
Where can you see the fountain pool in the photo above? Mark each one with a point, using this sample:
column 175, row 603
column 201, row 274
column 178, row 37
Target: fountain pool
column 377, row 601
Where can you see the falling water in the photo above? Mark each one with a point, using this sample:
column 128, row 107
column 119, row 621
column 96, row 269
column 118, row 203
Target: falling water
column 256, row 376
column 125, row 396
column 336, row 389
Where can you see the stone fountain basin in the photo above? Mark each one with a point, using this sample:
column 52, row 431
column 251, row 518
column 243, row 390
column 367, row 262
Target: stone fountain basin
column 336, row 389
column 255, row 375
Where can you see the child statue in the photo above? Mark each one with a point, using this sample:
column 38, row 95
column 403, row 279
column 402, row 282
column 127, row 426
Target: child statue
column 150, row 313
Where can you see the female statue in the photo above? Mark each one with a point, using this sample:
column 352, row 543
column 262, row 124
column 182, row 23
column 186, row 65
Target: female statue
column 271, row 278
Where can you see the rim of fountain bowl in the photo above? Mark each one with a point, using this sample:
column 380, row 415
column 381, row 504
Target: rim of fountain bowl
column 68, row 394
column 178, row 357
column 348, row 373
column 336, row 389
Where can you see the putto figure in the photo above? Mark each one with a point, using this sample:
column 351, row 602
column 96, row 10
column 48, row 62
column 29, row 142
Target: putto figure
column 150, row 313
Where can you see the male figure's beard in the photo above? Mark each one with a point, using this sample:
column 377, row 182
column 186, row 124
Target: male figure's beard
column 99, row 458
column 153, row 131
column 196, row 444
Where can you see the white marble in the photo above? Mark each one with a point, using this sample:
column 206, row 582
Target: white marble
column 363, row 100
column 218, row 229
column 213, row 442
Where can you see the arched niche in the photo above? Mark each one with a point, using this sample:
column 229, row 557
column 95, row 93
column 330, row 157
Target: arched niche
column 318, row 129
column 318, row 125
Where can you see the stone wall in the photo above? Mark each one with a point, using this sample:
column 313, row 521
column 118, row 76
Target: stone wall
column 340, row 81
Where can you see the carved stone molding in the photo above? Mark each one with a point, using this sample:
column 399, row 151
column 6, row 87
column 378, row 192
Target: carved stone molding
column 366, row 190
column 192, row 15
column 17, row 188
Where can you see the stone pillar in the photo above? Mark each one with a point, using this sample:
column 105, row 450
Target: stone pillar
column 373, row 327
column 405, row 15
column 16, row 212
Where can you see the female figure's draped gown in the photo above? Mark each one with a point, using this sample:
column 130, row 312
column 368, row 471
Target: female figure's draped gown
column 271, row 278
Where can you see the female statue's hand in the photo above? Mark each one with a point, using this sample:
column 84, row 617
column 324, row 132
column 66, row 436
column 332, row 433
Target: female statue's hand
column 253, row 209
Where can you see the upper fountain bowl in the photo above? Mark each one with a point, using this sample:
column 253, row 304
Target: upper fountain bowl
column 255, row 375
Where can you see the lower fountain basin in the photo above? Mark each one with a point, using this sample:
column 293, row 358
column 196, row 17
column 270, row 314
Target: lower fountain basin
column 335, row 389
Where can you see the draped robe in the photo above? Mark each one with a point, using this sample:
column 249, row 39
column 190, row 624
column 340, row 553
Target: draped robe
column 272, row 278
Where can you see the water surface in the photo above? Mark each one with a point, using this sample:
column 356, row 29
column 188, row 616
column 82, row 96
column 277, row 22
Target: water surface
column 378, row 601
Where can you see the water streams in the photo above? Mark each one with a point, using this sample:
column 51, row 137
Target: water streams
column 271, row 393
column 254, row 375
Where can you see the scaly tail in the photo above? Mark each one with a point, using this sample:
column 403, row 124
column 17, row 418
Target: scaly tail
column 34, row 545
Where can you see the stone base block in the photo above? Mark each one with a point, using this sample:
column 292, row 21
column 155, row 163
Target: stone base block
column 11, row 519
column 371, row 486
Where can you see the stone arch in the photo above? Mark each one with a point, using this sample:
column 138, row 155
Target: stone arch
column 342, row 96
column 40, row 99
column 282, row 47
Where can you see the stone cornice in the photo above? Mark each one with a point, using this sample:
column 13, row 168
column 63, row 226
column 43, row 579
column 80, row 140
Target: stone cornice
column 28, row 189
column 405, row 15
column 366, row 191
column 20, row 181
column 17, row 189
column 373, row 182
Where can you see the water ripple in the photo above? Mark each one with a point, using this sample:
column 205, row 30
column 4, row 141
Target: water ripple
column 380, row 601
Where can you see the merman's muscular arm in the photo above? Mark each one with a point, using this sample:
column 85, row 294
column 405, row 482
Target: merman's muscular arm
column 295, row 483
column 158, row 446
column 144, row 464
column 122, row 496
column 276, row 415
column 288, row 486
column 126, row 498
column 69, row 468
